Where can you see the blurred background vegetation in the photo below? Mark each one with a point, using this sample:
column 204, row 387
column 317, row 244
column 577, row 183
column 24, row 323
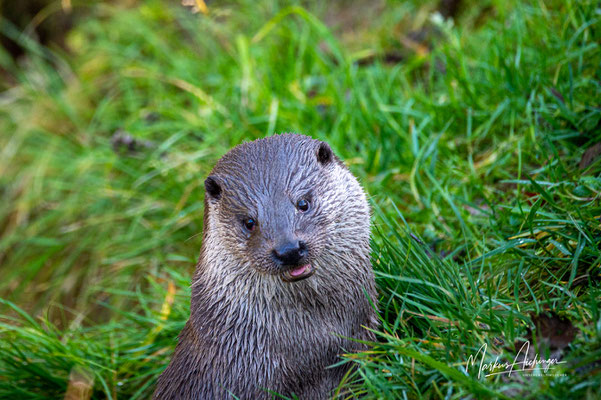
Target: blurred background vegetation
column 475, row 126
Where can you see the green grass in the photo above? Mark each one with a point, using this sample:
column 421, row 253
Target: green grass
column 469, row 148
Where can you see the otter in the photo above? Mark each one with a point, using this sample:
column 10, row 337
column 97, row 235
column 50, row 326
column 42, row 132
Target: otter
column 283, row 284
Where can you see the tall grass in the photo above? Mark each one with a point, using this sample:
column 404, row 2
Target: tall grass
column 469, row 147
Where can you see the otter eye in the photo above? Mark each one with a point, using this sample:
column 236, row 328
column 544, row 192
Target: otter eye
column 249, row 224
column 302, row 205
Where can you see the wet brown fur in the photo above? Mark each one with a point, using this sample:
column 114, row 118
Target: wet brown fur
column 249, row 332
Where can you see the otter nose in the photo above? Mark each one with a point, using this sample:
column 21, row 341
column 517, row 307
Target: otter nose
column 290, row 253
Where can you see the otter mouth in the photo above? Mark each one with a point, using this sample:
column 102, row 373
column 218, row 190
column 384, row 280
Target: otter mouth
column 298, row 273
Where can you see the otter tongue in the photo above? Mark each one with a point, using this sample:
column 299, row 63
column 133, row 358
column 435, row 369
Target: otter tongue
column 298, row 270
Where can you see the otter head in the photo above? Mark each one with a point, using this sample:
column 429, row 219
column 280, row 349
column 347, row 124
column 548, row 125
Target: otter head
column 270, row 203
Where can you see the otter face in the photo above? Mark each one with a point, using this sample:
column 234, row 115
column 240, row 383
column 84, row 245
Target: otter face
column 269, row 202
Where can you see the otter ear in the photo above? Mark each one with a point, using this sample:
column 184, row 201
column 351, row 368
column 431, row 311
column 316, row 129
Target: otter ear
column 324, row 154
column 213, row 187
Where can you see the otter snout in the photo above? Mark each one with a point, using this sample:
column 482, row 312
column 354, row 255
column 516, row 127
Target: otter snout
column 290, row 252
column 292, row 257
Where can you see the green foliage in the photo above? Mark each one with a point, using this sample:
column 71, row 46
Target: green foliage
column 470, row 148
